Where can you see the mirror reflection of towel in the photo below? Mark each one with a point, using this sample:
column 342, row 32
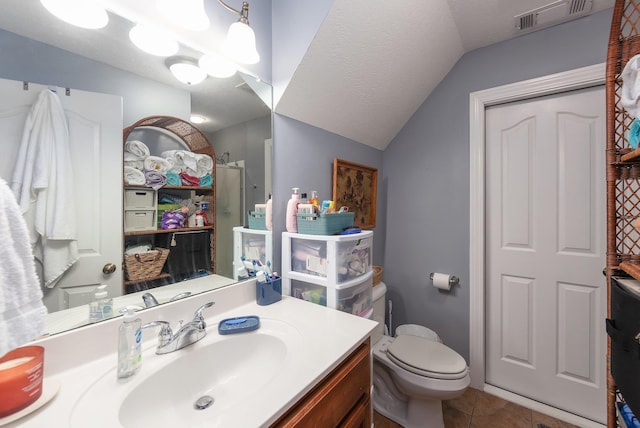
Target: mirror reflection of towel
column 43, row 185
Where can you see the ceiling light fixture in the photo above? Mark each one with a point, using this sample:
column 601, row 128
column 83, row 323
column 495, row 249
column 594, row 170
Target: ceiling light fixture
column 153, row 40
column 186, row 70
column 240, row 44
column 81, row 13
column 188, row 14
column 217, row 65
column 197, row 119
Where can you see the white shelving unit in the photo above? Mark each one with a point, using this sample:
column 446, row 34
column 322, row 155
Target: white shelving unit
column 330, row 270
column 251, row 244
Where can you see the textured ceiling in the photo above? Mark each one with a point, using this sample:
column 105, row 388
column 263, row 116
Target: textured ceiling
column 374, row 62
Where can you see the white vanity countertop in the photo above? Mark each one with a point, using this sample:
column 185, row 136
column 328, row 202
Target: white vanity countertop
column 78, row 359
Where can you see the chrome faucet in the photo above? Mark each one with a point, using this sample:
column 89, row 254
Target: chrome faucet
column 150, row 300
column 187, row 334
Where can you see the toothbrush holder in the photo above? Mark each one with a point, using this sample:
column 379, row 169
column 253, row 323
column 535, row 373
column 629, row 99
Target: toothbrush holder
column 268, row 292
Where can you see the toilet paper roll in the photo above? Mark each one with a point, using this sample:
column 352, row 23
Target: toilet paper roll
column 442, row 281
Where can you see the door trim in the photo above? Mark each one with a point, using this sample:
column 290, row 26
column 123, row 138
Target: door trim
column 584, row 77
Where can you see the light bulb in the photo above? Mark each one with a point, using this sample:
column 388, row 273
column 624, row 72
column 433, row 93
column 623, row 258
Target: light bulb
column 188, row 14
column 240, row 44
column 153, row 40
column 81, row 13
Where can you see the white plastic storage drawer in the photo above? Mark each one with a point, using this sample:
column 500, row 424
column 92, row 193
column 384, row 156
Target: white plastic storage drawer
column 313, row 257
column 354, row 299
column 254, row 246
column 139, row 220
column 139, row 199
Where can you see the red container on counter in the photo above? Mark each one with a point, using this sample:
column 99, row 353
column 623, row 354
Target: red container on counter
column 21, row 374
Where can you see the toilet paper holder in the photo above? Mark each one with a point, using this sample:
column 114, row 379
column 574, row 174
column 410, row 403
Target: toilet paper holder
column 453, row 280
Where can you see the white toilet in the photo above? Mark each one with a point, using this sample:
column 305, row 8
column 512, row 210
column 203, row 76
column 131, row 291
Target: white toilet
column 413, row 374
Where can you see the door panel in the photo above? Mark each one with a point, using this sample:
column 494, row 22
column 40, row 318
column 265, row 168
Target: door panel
column 545, row 250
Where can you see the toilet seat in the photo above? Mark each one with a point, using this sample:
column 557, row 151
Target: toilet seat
column 426, row 358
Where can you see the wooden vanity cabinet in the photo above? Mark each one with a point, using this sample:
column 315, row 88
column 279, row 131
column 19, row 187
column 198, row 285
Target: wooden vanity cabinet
column 342, row 399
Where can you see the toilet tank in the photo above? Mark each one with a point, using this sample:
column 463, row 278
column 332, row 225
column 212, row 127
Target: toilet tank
column 379, row 301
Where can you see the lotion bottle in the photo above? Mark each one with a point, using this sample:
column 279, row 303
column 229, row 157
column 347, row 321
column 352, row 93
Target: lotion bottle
column 292, row 211
column 102, row 306
column 268, row 217
column 129, row 345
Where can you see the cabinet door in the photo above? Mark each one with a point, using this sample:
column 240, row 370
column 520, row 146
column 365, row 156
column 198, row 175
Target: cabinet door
column 359, row 417
column 338, row 399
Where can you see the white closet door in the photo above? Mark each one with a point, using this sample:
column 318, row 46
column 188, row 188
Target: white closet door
column 545, row 248
column 95, row 129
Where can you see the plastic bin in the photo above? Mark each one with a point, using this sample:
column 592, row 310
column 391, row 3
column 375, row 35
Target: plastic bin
column 139, row 199
column 139, row 220
column 257, row 220
column 324, row 224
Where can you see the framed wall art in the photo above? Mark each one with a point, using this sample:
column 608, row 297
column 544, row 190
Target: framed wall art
column 355, row 186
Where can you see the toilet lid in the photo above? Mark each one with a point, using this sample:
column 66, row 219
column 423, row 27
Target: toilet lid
column 427, row 358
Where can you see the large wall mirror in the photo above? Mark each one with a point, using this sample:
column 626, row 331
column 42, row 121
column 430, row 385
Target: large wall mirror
column 50, row 55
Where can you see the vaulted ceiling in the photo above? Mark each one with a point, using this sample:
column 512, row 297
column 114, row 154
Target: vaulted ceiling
column 374, row 62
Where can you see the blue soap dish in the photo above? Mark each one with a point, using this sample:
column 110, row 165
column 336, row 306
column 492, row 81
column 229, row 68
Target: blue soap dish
column 238, row 324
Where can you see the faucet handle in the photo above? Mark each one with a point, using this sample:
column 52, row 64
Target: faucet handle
column 198, row 314
column 165, row 335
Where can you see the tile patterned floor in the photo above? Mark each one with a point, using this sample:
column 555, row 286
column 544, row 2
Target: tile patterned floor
column 477, row 409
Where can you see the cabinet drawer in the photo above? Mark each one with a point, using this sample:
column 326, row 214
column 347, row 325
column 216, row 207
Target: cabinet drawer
column 139, row 220
column 139, row 199
column 336, row 398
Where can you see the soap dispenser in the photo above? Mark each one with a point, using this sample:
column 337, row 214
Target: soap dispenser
column 102, row 306
column 292, row 211
column 129, row 344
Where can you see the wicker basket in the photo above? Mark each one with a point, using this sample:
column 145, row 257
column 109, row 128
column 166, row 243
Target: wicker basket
column 145, row 265
column 377, row 274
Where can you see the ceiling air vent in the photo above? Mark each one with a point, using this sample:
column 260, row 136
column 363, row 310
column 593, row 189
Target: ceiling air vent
column 553, row 13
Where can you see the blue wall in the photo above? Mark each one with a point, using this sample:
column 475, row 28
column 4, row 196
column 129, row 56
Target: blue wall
column 426, row 171
column 41, row 63
column 303, row 157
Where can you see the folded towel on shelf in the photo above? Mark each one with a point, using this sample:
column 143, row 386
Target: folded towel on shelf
column 189, row 180
column 204, row 164
column 173, row 179
column 133, row 161
column 137, row 164
column 137, row 148
column 183, row 160
column 134, row 177
column 21, row 310
column 156, row 163
column 155, row 179
column 634, row 133
column 630, row 91
column 206, row 180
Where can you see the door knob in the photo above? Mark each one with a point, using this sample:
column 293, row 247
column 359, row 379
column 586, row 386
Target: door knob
column 109, row 268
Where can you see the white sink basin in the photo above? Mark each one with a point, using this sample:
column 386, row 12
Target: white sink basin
column 164, row 393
